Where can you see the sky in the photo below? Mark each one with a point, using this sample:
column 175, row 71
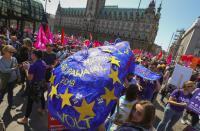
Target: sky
column 175, row 14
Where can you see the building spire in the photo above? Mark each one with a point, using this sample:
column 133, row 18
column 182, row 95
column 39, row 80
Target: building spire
column 160, row 7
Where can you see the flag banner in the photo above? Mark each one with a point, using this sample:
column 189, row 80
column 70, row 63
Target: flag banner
column 49, row 35
column 85, row 87
column 194, row 63
column 41, row 39
column 143, row 72
column 169, row 59
column 54, row 125
column 194, row 103
column 160, row 55
column 62, row 38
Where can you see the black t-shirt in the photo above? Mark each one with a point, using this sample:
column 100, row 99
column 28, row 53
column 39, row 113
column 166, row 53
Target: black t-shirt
column 49, row 58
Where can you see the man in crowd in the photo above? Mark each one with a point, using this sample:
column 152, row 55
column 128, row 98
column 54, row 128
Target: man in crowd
column 16, row 44
column 50, row 58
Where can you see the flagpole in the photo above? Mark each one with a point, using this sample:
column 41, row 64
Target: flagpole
column 170, row 43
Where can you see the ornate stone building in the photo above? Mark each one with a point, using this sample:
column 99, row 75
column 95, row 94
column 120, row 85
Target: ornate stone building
column 190, row 40
column 139, row 26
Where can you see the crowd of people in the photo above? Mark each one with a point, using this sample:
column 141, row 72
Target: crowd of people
column 22, row 64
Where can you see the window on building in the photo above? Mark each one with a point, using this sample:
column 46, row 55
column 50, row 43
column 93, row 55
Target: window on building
column 148, row 17
column 142, row 37
column 133, row 35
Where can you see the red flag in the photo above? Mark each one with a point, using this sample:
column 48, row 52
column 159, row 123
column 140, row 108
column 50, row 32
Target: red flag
column 46, row 27
column 62, row 38
column 169, row 59
column 160, row 55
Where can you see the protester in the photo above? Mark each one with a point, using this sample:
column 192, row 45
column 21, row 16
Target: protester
column 140, row 118
column 175, row 107
column 168, row 88
column 25, row 56
column 9, row 73
column 126, row 103
column 36, row 75
column 50, row 59
column 195, row 117
column 13, row 41
column 2, row 43
column 61, row 54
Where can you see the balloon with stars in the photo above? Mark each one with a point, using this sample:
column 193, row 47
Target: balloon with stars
column 85, row 87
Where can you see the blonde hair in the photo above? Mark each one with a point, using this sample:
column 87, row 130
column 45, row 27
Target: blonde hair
column 188, row 83
column 7, row 48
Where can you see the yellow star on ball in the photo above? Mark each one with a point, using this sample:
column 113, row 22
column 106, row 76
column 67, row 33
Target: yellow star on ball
column 52, row 79
column 114, row 61
column 109, row 95
column 53, row 91
column 108, row 51
column 85, row 110
column 65, row 98
column 114, row 76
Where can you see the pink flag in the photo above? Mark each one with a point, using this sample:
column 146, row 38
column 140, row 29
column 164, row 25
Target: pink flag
column 187, row 64
column 66, row 40
column 77, row 42
column 93, row 43
column 150, row 54
column 41, row 39
column 49, row 36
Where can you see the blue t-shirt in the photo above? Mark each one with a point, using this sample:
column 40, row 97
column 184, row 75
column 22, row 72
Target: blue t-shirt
column 38, row 69
column 181, row 98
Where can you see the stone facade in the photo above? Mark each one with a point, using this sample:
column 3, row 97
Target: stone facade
column 190, row 41
column 139, row 26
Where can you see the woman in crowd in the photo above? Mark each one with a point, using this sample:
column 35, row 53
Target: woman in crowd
column 2, row 43
column 126, row 103
column 176, row 105
column 36, row 74
column 9, row 73
column 140, row 118
column 25, row 55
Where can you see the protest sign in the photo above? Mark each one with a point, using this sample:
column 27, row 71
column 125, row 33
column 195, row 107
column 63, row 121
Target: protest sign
column 194, row 103
column 180, row 75
column 54, row 125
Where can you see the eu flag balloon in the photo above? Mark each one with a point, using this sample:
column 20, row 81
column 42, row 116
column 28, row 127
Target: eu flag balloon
column 85, row 87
